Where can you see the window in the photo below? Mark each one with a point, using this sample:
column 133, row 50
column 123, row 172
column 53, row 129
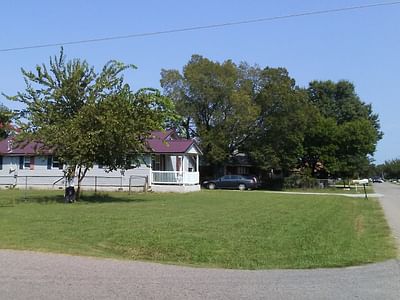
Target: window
column 54, row 162
column 242, row 170
column 57, row 163
column 26, row 162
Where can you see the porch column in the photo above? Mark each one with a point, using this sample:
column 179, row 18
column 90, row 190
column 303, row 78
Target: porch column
column 182, row 168
column 197, row 163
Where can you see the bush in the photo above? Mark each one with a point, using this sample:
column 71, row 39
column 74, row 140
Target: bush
column 300, row 181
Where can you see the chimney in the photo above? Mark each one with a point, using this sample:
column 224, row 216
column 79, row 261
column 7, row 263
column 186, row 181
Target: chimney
column 9, row 145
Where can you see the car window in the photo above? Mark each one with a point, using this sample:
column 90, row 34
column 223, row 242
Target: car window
column 236, row 177
column 225, row 177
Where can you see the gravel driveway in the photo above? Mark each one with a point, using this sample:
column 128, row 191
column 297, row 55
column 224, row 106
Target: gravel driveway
column 32, row 275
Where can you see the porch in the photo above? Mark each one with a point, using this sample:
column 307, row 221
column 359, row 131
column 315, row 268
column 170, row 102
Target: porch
column 176, row 169
column 175, row 177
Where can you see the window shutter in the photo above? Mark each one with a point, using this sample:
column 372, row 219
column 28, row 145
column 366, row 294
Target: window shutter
column 32, row 163
column 1, row 162
column 49, row 162
column 21, row 162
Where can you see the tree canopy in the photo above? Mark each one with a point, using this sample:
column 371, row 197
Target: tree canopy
column 89, row 117
column 325, row 128
column 346, row 132
column 215, row 103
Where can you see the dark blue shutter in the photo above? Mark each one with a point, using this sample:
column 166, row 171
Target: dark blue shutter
column 49, row 162
column 21, row 162
column 1, row 162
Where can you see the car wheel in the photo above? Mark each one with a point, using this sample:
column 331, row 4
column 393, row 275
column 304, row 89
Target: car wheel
column 242, row 187
column 211, row 186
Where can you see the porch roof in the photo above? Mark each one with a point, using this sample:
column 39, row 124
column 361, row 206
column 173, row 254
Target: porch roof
column 169, row 146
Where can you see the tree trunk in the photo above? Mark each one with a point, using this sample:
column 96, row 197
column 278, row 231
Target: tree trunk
column 81, row 176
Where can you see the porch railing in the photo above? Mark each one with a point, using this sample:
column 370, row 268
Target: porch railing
column 173, row 177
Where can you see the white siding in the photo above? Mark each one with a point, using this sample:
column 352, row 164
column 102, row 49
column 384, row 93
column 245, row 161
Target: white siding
column 41, row 176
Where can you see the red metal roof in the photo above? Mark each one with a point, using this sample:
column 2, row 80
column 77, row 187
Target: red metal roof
column 160, row 142
column 171, row 146
column 9, row 147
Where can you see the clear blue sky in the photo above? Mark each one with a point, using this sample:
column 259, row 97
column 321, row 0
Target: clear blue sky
column 361, row 46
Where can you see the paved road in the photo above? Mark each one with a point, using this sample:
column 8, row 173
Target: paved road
column 31, row 275
column 391, row 205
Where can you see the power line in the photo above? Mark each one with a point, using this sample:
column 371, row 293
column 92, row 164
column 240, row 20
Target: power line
column 194, row 28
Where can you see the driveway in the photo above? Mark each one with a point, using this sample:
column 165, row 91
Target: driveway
column 32, row 275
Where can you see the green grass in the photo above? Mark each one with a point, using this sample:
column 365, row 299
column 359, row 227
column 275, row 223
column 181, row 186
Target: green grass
column 243, row 230
column 335, row 190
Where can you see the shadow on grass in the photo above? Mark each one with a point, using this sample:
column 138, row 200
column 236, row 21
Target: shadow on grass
column 91, row 198
column 106, row 198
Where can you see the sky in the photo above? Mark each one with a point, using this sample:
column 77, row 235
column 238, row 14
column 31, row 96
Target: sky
column 361, row 46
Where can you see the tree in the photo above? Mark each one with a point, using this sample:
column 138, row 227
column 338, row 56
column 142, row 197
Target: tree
column 391, row 169
column 89, row 117
column 345, row 131
column 277, row 142
column 216, row 105
column 6, row 116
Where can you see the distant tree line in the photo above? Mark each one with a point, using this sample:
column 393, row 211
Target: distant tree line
column 324, row 129
column 389, row 170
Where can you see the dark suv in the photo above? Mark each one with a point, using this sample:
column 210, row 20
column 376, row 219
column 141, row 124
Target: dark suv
column 241, row 182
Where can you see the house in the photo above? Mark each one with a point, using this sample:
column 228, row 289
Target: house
column 171, row 164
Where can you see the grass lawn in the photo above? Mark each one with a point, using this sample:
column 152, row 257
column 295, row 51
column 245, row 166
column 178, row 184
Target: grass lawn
column 230, row 229
column 336, row 190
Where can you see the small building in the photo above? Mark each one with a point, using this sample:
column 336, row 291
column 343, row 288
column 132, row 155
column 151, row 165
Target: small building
column 171, row 165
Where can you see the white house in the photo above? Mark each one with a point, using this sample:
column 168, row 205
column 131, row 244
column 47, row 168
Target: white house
column 171, row 164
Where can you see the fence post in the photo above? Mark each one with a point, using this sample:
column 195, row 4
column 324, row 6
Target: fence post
column 146, row 184
column 26, row 187
column 95, row 184
column 130, row 182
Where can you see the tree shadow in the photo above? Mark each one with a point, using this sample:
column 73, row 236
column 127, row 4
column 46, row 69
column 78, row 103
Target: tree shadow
column 85, row 198
column 107, row 198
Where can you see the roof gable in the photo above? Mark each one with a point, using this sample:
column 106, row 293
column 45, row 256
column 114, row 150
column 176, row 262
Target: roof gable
column 169, row 142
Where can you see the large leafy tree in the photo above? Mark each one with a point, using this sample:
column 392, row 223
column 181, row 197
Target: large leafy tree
column 89, row 117
column 216, row 105
column 277, row 142
column 345, row 132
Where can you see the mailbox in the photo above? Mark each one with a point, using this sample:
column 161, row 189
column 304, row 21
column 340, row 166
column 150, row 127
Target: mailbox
column 360, row 181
